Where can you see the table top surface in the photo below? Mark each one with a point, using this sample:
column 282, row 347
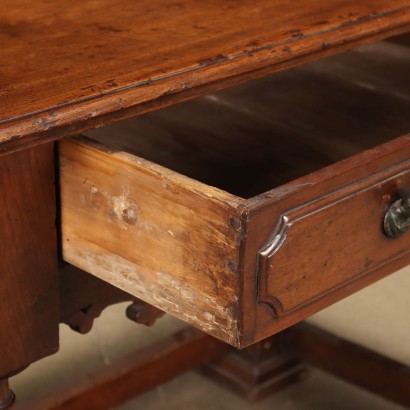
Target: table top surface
column 71, row 66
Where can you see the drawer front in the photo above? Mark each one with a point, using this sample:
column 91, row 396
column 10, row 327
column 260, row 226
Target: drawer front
column 324, row 245
column 331, row 245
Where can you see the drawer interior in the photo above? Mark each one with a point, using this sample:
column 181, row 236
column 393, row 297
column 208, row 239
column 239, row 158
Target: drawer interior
column 254, row 137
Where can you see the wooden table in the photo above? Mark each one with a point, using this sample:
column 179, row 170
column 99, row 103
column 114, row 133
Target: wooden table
column 241, row 211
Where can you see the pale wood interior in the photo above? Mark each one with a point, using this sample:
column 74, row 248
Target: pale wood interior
column 257, row 136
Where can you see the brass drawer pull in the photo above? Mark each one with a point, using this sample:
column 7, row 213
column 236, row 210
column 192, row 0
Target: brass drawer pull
column 397, row 218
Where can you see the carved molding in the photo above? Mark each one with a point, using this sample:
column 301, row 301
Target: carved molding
column 296, row 218
column 83, row 297
column 143, row 313
column 274, row 243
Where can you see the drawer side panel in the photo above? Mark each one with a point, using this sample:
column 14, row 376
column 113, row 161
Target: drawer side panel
column 137, row 227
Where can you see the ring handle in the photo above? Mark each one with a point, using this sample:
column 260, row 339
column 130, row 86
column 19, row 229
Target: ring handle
column 397, row 218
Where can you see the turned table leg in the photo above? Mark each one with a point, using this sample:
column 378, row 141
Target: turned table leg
column 6, row 395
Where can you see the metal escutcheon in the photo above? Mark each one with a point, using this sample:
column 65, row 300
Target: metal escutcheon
column 397, row 218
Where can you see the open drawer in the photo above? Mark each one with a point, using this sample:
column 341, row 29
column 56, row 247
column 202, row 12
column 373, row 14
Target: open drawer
column 246, row 211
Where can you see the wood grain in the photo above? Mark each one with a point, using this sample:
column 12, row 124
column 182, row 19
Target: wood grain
column 251, row 138
column 342, row 187
column 162, row 237
column 29, row 312
column 68, row 68
column 325, row 244
column 276, row 257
